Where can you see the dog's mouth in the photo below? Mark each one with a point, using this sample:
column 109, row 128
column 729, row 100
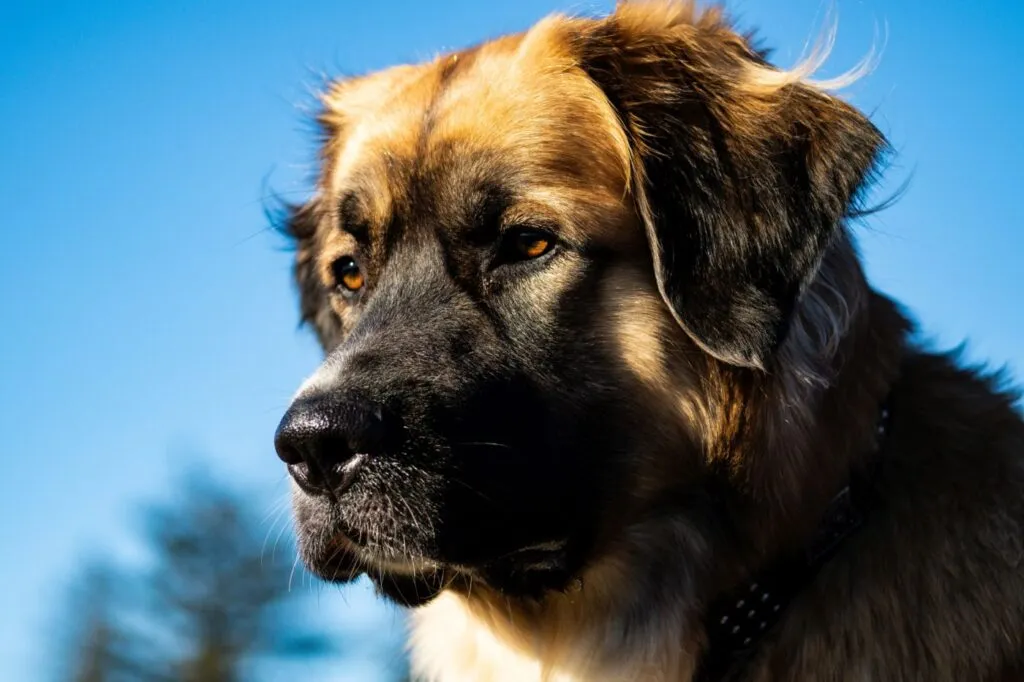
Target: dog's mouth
column 414, row 532
column 531, row 571
column 412, row 580
column 408, row 581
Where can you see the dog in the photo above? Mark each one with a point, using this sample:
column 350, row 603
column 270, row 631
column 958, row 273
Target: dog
column 606, row 394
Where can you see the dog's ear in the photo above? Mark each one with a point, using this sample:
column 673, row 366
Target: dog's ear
column 298, row 222
column 742, row 173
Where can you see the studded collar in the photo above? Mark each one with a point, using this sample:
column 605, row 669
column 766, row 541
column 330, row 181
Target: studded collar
column 737, row 622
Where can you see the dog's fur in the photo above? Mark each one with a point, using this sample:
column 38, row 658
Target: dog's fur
column 599, row 441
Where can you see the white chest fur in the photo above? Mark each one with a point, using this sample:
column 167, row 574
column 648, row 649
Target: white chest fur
column 454, row 641
column 450, row 644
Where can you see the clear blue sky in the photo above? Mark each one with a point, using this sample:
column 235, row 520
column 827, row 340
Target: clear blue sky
column 147, row 320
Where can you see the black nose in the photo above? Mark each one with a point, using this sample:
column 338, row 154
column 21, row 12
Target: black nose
column 325, row 442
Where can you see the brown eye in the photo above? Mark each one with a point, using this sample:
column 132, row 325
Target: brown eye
column 530, row 244
column 347, row 274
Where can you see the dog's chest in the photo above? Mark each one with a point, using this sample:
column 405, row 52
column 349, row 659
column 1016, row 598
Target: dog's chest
column 451, row 643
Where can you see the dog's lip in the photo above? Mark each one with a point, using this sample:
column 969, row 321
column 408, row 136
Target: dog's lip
column 343, row 561
column 380, row 552
column 539, row 557
column 541, row 549
column 379, row 555
column 528, row 571
column 375, row 559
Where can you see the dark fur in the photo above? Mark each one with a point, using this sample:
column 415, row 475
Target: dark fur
column 789, row 182
column 538, row 464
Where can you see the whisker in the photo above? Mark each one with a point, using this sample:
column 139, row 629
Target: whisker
column 277, row 540
column 472, row 490
column 292, row 573
column 486, row 444
column 274, row 517
column 270, row 530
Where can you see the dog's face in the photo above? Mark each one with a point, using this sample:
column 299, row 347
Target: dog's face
column 522, row 261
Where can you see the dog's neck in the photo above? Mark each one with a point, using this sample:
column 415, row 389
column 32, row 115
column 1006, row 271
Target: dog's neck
column 638, row 611
column 736, row 622
column 788, row 440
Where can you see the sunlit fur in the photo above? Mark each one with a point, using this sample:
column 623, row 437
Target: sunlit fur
column 760, row 394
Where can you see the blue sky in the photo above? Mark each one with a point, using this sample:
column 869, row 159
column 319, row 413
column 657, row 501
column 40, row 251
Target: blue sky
column 148, row 318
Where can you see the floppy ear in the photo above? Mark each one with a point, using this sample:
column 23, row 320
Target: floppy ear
column 299, row 222
column 743, row 175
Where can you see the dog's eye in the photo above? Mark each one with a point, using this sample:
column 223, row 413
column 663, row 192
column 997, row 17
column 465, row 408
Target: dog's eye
column 527, row 243
column 347, row 275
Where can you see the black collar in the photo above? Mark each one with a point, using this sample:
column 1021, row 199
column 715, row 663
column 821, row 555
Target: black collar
column 736, row 622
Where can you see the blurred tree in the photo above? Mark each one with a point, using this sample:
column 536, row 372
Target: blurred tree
column 221, row 604
column 98, row 645
column 209, row 606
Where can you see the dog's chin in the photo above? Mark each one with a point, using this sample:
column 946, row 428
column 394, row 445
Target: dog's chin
column 408, row 582
column 335, row 561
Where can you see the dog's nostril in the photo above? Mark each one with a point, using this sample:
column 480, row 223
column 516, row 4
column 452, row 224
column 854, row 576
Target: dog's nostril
column 325, row 442
column 307, row 477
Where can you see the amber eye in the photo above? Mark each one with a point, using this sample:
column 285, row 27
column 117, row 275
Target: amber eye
column 530, row 243
column 347, row 274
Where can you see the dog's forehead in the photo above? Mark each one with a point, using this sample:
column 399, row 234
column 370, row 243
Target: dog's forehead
column 520, row 100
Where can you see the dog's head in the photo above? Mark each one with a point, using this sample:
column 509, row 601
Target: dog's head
column 526, row 262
